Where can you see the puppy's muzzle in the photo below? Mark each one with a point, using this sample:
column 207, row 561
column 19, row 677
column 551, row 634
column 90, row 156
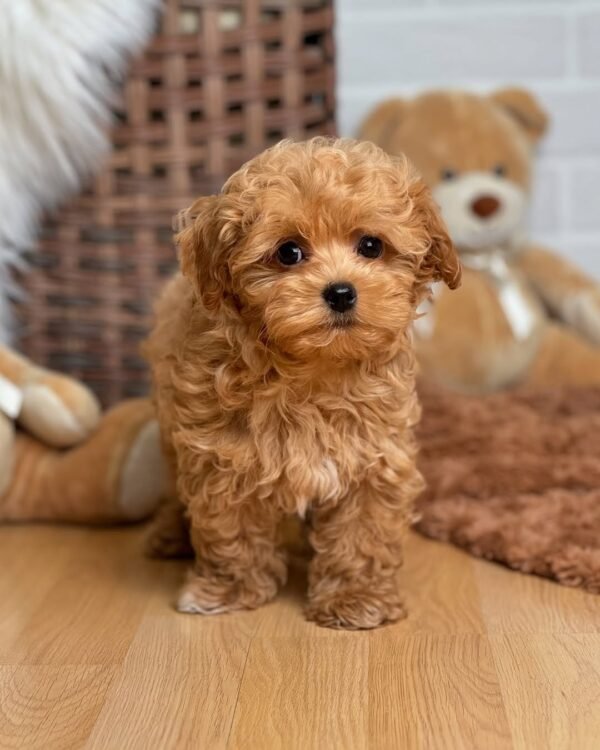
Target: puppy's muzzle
column 340, row 296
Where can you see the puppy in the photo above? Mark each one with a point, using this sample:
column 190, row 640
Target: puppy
column 284, row 376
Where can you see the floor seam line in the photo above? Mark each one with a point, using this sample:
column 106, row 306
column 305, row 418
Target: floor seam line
column 237, row 697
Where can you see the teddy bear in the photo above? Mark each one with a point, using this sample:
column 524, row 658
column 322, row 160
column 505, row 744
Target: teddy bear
column 61, row 460
column 523, row 314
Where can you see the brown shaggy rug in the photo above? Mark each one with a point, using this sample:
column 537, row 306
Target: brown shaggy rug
column 515, row 477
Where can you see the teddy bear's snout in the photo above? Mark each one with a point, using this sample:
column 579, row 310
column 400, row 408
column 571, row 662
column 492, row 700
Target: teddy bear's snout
column 485, row 206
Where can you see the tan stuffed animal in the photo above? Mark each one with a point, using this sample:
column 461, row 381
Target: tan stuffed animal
column 61, row 461
column 522, row 314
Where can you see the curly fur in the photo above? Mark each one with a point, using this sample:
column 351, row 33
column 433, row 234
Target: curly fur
column 269, row 408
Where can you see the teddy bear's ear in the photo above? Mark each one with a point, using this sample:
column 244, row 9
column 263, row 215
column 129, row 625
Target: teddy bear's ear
column 525, row 109
column 202, row 240
column 381, row 122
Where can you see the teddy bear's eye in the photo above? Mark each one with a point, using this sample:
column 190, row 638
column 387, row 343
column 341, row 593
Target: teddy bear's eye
column 500, row 170
column 290, row 253
column 449, row 174
column 370, row 247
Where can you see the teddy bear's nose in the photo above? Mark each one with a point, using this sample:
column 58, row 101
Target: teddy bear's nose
column 485, row 206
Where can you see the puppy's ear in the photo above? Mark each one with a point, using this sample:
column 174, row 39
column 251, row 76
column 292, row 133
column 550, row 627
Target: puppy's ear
column 204, row 239
column 525, row 109
column 441, row 263
column 381, row 122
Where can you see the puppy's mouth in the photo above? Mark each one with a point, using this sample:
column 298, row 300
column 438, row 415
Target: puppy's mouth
column 341, row 322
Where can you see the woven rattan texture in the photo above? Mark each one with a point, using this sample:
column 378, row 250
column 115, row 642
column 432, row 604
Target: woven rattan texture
column 222, row 80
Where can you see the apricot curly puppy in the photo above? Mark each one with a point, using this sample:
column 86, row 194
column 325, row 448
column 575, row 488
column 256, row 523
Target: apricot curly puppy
column 284, row 376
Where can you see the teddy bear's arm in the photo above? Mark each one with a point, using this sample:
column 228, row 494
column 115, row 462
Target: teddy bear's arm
column 54, row 408
column 570, row 295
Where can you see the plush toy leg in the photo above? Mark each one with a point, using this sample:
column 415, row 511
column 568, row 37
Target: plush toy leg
column 116, row 475
column 7, row 439
column 56, row 409
column 564, row 358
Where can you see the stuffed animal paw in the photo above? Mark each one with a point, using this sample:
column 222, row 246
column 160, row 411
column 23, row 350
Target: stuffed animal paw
column 54, row 408
column 7, row 438
column 571, row 296
column 60, row 460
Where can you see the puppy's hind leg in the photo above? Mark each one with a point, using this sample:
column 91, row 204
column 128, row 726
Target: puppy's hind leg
column 169, row 535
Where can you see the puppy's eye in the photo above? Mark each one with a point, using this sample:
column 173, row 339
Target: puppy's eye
column 290, row 254
column 500, row 170
column 370, row 247
column 449, row 174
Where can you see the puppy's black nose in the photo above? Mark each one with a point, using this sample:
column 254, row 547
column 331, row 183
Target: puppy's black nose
column 340, row 296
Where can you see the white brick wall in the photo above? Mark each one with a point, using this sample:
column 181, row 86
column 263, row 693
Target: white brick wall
column 550, row 46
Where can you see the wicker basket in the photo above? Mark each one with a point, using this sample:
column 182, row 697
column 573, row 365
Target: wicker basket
column 222, row 80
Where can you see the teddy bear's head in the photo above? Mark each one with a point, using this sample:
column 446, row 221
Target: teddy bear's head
column 474, row 151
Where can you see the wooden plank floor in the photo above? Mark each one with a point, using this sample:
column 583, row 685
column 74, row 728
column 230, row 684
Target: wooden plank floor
column 93, row 656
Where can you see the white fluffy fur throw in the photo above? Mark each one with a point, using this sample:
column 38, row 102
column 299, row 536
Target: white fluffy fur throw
column 59, row 60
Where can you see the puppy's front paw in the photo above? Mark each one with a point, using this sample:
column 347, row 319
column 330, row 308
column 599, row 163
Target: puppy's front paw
column 201, row 596
column 193, row 603
column 212, row 596
column 354, row 610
